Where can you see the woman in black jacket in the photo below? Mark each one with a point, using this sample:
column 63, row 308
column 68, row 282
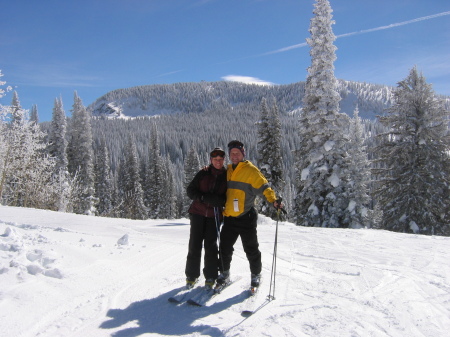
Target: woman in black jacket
column 208, row 192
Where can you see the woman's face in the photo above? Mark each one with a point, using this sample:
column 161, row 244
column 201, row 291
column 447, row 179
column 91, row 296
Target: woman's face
column 217, row 162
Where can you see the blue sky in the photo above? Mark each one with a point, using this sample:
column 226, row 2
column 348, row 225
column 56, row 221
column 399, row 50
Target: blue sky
column 52, row 48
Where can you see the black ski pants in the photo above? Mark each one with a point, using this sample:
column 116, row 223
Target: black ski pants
column 203, row 232
column 245, row 227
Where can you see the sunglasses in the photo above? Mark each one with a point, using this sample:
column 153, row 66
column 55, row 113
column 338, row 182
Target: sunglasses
column 218, row 153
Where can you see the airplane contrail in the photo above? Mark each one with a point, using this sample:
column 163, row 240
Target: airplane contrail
column 393, row 25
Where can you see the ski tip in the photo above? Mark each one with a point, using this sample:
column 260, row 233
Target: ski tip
column 246, row 313
column 173, row 300
column 191, row 302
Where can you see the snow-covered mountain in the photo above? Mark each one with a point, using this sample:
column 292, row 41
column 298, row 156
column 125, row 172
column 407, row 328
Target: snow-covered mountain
column 74, row 275
column 195, row 97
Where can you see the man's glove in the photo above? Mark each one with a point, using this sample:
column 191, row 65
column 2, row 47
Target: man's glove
column 279, row 205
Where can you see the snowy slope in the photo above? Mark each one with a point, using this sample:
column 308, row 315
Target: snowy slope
column 72, row 275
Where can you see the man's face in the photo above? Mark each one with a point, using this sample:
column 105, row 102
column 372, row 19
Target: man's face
column 236, row 156
column 217, row 162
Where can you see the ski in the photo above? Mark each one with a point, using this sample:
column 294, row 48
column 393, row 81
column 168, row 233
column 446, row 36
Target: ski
column 253, row 309
column 184, row 294
column 250, row 302
column 246, row 313
column 202, row 298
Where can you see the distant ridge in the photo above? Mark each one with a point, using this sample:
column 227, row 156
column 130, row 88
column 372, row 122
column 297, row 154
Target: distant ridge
column 198, row 97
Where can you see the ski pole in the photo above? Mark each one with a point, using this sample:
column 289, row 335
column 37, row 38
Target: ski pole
column 216, row 217
column 271, row 295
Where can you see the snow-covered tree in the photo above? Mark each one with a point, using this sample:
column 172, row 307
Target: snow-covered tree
column 131, row 194
column 81, row 158
column 264, row 140
column 4, row 111
column 277, row 174
column 168, row 208
column 15, row 154
column 2, row 83
column 103, row 181
column 412, row 185
column 269, row 153
column 154, row 176
column 191, row 167
column 34, row 115
column 57, row 143
column 322, row 191
column 17, row 113
column 25, row 170
column 57, row 147
column 358, row 176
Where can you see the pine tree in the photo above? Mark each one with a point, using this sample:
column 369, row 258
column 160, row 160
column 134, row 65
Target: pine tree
column 168, row 192
column 358, row 212
column 276, row 163
column 104, row 181
column 34, row 116
column 264, row 141
column 412, row 185
column 57, row 148
column 322, row 160
column 120, row 188
column 17, row 113
column 131, row 194
column 269, row 153
column 3, row 140
column 17, row 152
column 25, row 170
column 191, row 167
column 81, row 158
column 154, row 176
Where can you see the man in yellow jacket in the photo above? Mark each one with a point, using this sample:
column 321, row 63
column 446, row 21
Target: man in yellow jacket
column 244, row 183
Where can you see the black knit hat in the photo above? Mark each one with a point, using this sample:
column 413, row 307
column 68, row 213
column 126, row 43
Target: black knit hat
column 235, row 144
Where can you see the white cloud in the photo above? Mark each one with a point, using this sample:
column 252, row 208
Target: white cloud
column 246, row 79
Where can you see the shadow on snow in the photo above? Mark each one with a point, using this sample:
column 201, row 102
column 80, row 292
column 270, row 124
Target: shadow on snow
column 158, row 316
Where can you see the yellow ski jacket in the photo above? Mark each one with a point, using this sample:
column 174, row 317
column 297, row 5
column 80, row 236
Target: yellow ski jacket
column 244, row 183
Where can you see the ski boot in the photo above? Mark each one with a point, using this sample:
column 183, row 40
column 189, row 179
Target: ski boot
column 222, row 281
column 190, row 282
column 255, row 280
column 209, row 283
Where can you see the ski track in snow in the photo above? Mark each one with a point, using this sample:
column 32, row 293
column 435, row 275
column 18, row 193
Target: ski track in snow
column 68, row 275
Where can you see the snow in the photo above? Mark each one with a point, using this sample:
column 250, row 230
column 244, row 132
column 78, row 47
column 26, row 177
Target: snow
column 351, row 205
column 313, row 209
column 74, row 275
column 413, row 226
column 334, row 180
column 328, row 146
column 305, row 174
column 315, row 157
